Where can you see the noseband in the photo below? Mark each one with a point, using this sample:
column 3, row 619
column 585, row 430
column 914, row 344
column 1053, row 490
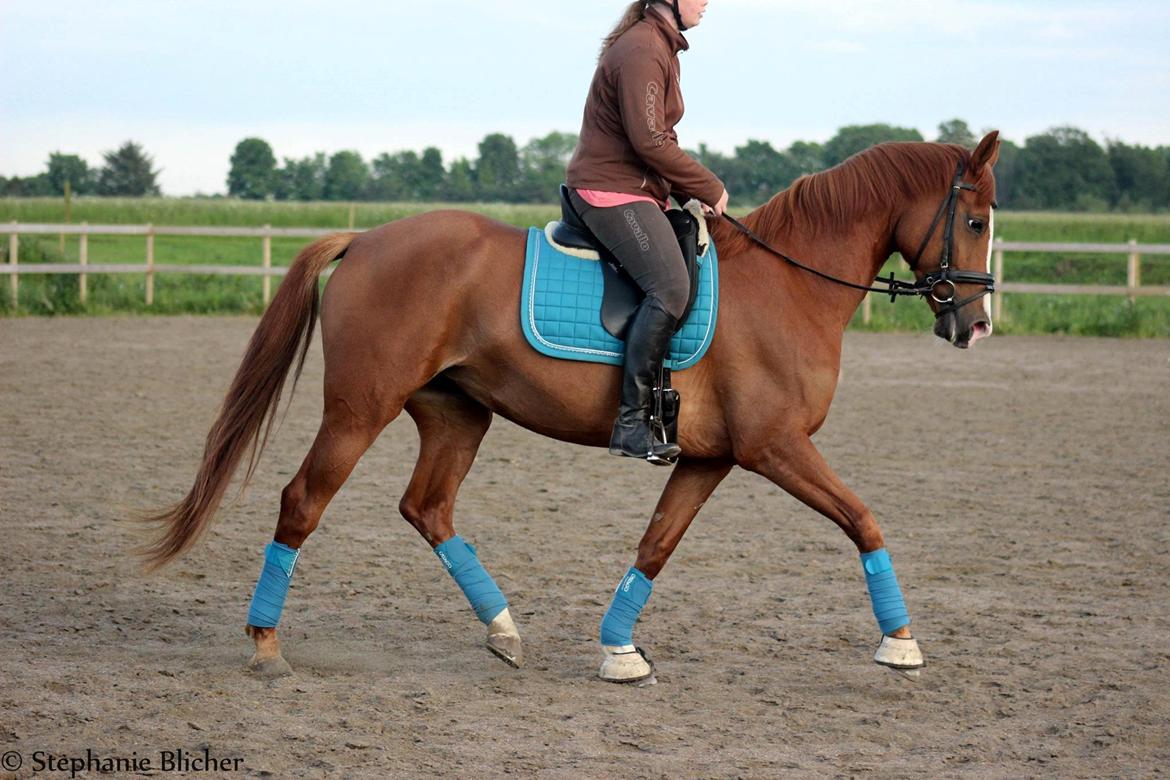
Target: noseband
column 940, row 286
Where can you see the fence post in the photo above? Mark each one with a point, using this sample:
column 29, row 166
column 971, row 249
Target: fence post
column 68, row 215
column 83, row 260
column 997, row 299
column 267, row 264
column 150, row 265
column 867, row 309
column 1133, row 269
column 13, row 259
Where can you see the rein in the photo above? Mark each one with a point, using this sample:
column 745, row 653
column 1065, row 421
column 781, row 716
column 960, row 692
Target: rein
column 929, row 284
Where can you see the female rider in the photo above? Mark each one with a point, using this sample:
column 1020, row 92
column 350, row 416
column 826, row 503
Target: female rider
column 626, row 166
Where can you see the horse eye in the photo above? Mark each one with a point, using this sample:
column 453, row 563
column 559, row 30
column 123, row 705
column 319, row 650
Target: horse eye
column 975, row 224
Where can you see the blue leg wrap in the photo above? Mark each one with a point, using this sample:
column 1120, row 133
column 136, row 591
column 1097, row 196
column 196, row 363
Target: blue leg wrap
column 272, row 587
column 888, row 606
column 478, row 586
column 617, row 627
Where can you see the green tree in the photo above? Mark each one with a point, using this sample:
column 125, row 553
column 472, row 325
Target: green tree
column 459, row 185
column 497, row 171
column 806, row 157
column 1142, row 175
column 956, row 131
column 394, row 176
column 253, row 170
column 1006, row 173
column 760, row 171
column 407, row 176
column 28, row 187
column 69, row 168
column 543, row 161
column 128, row 171
column 1064, row 169
column 302, row 179
column 346, row 177
column 430, row 174
column 856, row 138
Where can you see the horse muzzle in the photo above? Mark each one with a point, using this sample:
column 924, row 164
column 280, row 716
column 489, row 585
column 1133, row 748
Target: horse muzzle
column 947, row 328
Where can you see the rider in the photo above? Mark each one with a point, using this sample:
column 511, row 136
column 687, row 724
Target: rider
column 626, row 166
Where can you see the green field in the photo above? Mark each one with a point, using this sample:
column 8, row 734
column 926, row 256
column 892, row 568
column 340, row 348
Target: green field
column 42, row 295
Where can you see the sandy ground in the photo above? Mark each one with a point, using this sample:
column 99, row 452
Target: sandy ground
column 1023, row 488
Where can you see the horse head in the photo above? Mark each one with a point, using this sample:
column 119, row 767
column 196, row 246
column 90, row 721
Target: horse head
column 949, row 246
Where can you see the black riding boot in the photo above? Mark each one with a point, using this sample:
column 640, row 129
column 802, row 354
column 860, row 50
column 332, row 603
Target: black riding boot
column 646, row 345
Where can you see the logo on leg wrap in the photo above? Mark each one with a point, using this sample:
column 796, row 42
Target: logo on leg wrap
column 630, row 596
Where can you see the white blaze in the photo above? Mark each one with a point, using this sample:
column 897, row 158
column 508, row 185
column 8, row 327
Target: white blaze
column 990, row 250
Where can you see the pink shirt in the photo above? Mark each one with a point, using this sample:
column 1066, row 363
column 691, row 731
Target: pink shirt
column 602, row 199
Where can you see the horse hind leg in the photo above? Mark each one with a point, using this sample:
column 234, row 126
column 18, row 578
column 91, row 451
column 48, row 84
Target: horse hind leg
column 451, row 426
column 341, row 441
column 690, row 485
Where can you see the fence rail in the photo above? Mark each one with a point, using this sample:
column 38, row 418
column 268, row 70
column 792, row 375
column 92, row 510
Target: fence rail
column 14, row 269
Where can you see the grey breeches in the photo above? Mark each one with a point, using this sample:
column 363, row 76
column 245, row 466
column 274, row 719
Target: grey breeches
column 641, row 238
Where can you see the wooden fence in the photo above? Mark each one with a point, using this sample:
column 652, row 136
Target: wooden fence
column 1133, row 286
column 1132, row 250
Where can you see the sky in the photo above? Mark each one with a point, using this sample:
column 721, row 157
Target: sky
column 190, row 79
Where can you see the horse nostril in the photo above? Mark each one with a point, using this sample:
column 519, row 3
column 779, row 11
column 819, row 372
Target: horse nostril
column 980, row 330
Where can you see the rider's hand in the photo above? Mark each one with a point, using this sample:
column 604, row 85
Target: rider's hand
column 719, row 207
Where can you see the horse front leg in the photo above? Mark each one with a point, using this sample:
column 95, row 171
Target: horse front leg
column 689, row 486
column 795, row 464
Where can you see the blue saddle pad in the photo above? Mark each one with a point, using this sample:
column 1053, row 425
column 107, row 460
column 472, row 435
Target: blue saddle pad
column 560, row 308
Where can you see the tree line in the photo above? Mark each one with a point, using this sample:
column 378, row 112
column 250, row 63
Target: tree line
column 1061, row 169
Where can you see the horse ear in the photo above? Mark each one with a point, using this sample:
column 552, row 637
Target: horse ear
column 987, row 152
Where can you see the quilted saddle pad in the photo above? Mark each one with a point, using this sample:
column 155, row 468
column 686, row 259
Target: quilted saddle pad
column 560, row 308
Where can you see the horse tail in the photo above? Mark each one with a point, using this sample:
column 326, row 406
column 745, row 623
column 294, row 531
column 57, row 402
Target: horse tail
column 285, row 329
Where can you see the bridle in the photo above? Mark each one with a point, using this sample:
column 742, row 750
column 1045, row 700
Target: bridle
column 941, row 285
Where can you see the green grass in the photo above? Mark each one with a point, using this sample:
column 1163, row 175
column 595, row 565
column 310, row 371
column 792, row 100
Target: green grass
column 239, row 213
column 47, row 295
column 1075, row 315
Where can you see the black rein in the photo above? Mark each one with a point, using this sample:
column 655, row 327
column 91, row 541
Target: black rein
column 928, row 284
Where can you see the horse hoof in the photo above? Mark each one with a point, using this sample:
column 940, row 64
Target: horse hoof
column 504, row 640
column 625, row 664
column 269, row 667
column 900, row 655
column 507, row 649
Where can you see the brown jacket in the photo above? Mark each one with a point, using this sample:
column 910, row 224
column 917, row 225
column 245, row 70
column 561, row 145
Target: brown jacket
column 628, row 143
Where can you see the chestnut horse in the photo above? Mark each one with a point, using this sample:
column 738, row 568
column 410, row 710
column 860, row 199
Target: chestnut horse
column 422, row 315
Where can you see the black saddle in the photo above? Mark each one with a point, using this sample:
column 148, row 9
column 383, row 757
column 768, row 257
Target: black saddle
column 622, row 294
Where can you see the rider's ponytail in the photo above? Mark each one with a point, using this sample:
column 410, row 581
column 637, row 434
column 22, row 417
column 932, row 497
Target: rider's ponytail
column 635, row 13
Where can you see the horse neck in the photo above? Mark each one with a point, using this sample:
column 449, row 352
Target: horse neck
column 854, row 254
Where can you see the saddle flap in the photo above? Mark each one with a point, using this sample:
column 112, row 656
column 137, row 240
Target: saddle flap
column 620, row 299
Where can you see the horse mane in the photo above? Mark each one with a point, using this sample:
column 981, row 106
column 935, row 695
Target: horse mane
column 833, row 199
